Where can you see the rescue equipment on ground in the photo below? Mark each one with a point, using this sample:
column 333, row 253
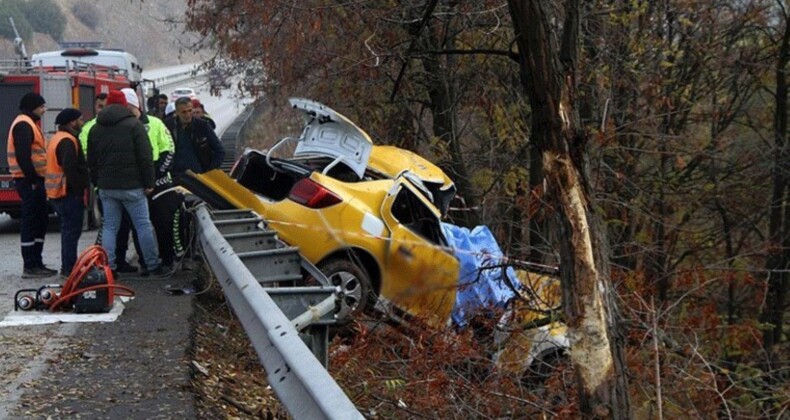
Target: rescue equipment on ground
column 90, row 288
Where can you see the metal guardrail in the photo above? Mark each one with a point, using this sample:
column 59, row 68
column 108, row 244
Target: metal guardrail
column 168, row 76
column 230, row 136
column 297, row 377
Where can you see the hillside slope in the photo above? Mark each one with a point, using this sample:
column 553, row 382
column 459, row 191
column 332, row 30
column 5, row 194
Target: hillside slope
column 150, row 30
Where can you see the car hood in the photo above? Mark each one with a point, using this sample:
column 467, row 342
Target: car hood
column 393, row 161
column 328, row 133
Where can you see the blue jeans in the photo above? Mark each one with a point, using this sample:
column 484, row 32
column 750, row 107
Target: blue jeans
column 136, row 204
column 33, row 226
column 70, row 210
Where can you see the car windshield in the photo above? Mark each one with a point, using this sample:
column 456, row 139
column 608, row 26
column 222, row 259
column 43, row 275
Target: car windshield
column 182, row 91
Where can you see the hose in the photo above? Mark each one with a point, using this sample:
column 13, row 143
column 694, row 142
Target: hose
column 93, row 256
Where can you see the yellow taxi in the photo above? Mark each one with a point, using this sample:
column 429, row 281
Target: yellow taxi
column 368, row 217
column 372, row 230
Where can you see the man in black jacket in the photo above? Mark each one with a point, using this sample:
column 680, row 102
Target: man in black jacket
column 27, row 163
column 66, row 181
column 197, row 146
column 122, row 167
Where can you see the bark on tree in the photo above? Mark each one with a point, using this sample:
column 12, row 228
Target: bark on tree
column 441, row 88
column 778, row 261
column 538, row 231
column 548, row 74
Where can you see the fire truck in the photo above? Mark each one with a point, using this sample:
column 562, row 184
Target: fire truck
column 71, row 81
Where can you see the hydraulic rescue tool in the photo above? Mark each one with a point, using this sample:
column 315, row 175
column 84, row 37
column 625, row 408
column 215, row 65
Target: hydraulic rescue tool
column 90, row 288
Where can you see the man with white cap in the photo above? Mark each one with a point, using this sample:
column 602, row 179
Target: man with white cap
column 162, row 215
column 170, row 109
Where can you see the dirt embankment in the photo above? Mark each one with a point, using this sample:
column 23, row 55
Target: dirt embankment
column 151, row 30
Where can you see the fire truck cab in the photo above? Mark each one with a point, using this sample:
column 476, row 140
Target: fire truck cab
column 63, row 84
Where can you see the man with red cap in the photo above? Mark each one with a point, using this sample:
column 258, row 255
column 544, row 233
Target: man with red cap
column 66, row 181
column 199, row 111
column 121, row 163
column 27, row 161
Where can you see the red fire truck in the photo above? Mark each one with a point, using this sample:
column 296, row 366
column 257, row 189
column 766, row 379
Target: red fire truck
column 74, row 84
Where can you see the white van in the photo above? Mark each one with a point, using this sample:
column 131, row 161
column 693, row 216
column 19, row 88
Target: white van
column 118, row 59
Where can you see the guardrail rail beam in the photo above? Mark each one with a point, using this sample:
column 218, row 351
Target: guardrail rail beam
column 297, row 377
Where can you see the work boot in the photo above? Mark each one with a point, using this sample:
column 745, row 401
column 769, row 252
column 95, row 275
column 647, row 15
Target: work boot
column 36, row 272
column 160, row 272
column 48, row 270
column 125, row 267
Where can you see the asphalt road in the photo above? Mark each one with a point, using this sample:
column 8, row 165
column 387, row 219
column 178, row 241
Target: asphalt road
column 136, row 367
column 25, row 350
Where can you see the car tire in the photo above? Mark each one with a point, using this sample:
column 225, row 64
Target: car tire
column 356, row 288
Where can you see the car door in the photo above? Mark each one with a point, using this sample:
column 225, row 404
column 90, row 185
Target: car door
column 421, row 275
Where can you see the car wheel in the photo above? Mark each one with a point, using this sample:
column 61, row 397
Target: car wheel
column 357, row 294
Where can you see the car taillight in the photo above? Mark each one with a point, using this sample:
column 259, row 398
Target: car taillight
column 308, row 193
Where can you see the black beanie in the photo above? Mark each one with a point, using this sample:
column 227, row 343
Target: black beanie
column 31, row 101
column 67, row 115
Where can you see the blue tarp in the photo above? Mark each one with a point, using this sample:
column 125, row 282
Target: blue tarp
column 478, row 288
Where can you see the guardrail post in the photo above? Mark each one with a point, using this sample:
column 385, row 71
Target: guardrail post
column 300, row 382
column 316, row 320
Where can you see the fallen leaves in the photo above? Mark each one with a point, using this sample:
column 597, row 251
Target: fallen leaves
column 228, row 380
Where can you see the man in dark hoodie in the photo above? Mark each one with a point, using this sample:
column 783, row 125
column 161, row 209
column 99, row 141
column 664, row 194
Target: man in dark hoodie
column 122, row 167
column 27, row 162
column 67, row 179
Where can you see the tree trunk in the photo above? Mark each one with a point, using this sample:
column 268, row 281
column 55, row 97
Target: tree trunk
column 658, row 268
column 588, row 295
column 538, row 232
column 443, row 100
column 778, row 261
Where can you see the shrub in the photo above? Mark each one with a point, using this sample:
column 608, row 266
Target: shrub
column 46, row 17
column 14, row 9
column 87, row 13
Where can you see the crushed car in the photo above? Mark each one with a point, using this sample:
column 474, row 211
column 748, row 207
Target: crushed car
column 529, row 336
column 369, row 217
column 374, row 233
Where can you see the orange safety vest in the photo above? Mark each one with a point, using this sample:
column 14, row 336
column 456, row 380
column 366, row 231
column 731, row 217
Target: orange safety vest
column 54, row 181
column 38, row 150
